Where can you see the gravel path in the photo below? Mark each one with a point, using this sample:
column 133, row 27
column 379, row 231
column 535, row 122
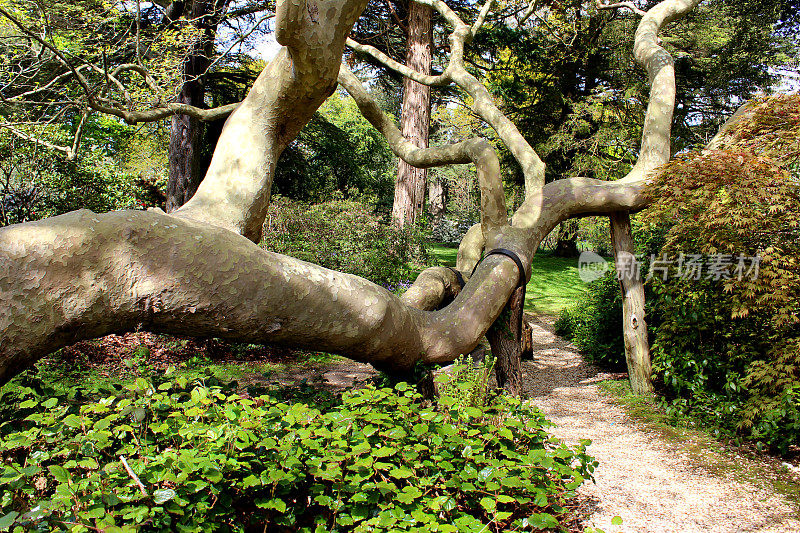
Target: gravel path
column 654, row 488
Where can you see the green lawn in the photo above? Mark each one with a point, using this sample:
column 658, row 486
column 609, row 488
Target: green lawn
column 554, row 283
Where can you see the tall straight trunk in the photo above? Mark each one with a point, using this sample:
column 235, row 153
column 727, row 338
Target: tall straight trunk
column 187, row 166
column 415, row 117
column 634, row 327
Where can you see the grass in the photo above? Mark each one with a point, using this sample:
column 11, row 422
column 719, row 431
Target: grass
column 554, row 283
column 695, row 441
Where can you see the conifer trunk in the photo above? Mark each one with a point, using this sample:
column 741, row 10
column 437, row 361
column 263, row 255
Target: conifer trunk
column 187, row 166
column 409, row 193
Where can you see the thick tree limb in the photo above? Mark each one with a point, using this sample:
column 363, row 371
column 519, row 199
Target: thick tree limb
column 483, row 103
column 433, row 287
column 580, row 196
column 83, row 275
column 475, row 150
column 634, row 323
column 236, row 190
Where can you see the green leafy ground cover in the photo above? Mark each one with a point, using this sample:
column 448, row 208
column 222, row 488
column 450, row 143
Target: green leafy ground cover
column 213, row 455
column 210, row 458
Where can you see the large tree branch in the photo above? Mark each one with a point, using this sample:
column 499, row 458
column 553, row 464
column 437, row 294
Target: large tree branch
column 579, row 196
column 236, row 189
column 475, row 150
column 483, row 103
column 84, row 275
column 436, row 285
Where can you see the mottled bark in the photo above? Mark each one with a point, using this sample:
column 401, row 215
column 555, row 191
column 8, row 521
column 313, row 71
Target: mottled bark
column 415, row 117
column 634, row 326
column 83, row 275
column 236, row 190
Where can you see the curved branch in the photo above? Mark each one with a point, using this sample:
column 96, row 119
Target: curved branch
column 476, row 26
column 434, row 80
column 658, row 63
column 483, row 103
column 470, row 249
column 475, row 150
column 165, row 111
column 618, row 5
column 236, row 190
column 580, row 196
column 83, row 275
column 433, row 287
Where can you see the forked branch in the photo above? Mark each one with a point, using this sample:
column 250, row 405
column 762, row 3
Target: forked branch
column 483, row 103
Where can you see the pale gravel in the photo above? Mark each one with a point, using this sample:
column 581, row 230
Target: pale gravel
column 641, row 478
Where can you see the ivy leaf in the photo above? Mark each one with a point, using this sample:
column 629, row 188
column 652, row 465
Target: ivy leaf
column 7, row 520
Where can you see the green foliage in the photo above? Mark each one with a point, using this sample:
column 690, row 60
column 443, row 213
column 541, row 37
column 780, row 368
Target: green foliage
column 118, row 169
column 594, row 323
column 338, row 150
column 569, row 81
column 344, row 235
column 465, row 383
column 212, row 459
column 728, row 349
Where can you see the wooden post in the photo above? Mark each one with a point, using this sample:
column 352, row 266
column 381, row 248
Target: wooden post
column 634, row 327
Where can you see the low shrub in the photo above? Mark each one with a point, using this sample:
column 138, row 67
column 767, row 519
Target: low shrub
column 727, row 343
column 465, row 383
column 206, row 458
column 344, row 235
